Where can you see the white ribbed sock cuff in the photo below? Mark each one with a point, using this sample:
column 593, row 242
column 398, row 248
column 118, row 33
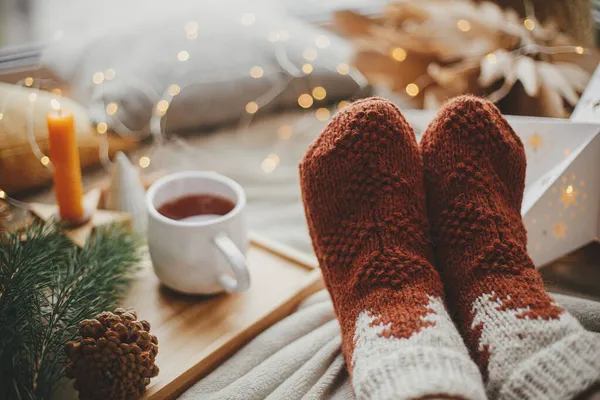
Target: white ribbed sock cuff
column 560, row 371
column 419, row 371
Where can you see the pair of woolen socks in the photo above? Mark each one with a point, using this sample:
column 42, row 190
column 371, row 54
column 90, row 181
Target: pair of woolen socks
column 371, row 195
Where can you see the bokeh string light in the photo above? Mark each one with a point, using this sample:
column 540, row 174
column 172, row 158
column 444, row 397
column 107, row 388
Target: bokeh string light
column 527, row 34
column 423, row 81
column 306, row 100
column 286, row 74
column 398, row 54
column 283, row 77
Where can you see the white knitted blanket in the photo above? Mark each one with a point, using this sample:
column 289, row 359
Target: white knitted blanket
column 300, row 357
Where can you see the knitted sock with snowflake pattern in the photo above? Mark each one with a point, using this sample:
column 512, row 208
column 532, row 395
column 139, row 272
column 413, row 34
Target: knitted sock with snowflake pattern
column 364, row 197
column 527, row 347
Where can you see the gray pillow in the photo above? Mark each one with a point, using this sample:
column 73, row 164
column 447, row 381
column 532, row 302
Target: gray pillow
column 223, row 42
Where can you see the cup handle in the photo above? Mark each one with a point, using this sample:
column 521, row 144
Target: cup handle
column 236, row 259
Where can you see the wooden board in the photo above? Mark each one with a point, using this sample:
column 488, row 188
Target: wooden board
column 197, row 333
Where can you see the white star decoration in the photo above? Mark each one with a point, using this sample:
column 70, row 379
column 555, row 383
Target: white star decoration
column 561, row 206
column 588, row 107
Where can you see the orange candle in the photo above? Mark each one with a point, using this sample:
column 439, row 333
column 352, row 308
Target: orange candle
column 64, row 155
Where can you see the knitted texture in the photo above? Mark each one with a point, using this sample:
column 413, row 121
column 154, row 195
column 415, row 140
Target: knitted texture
column 364, row 198
column 526, row 346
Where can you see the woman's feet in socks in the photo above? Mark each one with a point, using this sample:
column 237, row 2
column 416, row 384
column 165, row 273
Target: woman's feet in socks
column 527, row 347
column 363, row 191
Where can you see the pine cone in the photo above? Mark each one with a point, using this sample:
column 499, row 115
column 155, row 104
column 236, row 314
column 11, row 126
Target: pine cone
column 114, row 358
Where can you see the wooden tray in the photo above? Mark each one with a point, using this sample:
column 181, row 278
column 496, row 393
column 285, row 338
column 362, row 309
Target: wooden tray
column 197, row 333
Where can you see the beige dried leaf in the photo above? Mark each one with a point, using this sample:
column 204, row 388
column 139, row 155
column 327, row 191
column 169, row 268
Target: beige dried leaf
column 564, row 79
column 577, row 76
column 397, row 13
column 525, row 71
column 352, row 23
column 495, row 66
column 463, row 46
column 456, row 77
column 550, row 102
column 367, row 44
column 555, row 80
column 431, row 28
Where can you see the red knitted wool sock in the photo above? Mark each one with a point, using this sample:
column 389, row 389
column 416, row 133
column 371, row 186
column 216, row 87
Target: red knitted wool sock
column 525, row 345
column 364, row 197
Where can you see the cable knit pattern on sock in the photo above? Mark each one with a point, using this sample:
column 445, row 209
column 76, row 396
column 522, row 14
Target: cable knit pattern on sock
column 527, row 347
column 364, row 197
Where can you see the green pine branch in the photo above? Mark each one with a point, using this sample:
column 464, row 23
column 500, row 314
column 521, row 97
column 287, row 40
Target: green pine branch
column 47, row 286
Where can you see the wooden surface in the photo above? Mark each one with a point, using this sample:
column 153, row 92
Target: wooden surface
column 196, row 333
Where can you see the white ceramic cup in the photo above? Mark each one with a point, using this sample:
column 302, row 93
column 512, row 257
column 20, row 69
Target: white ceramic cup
column 198, row 255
